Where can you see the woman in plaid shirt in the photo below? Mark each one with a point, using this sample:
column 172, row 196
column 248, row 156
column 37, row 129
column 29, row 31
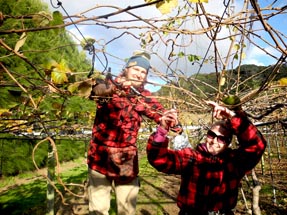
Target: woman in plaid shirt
column 211, row 173
column 112, row 155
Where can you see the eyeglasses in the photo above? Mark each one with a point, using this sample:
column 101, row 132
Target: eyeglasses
column 220, row 138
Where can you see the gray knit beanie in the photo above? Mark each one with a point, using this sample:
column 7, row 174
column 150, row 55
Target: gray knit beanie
column 138, row 60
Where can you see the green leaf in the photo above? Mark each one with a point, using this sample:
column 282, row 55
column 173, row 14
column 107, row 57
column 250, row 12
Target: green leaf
column 236, row 56
column 57, row 20
column 87, row 43
column 181, row 54
column 193, row 58
column 233, row 101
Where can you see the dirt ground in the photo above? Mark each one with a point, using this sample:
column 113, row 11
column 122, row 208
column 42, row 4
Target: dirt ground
column 158, row 199
column 158, row 193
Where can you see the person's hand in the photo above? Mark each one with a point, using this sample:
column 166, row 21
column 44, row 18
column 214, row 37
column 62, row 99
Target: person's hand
column 101, row 90
column 220, row 112
column 169, row 119
column 123, row 82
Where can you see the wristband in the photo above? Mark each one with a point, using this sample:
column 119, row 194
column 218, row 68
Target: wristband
column 160, row 134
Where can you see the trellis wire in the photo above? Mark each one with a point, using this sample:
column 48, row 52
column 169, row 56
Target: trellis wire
column 90, row 47
column 271, row 171
column 277, row 144
column 262, row 165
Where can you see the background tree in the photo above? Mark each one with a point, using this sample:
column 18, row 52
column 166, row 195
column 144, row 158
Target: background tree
column 36, row 68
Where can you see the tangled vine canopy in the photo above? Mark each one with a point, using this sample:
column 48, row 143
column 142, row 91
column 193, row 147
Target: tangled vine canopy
column 187, row 39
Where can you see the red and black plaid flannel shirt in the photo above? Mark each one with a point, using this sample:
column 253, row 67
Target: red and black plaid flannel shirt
column 210, row 183
column 116, row 127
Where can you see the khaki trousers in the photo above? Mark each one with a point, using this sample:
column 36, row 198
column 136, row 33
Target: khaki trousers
column 99, row 192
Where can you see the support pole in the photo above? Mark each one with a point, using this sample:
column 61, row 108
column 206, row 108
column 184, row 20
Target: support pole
column 51, row 177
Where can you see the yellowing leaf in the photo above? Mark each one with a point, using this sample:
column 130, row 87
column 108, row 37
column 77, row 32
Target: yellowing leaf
column 149, row 38
column 142, row 53
column 4, row 111
column 52, row 89
column 50, row 64
column 283, row 81
column 222, row 81
column 198, row 1
column 29, row 130
column 59, row 77
column 85, row 89
column 236, row 47
column 42, row 18
column 232, row 38
column 166, row 6
column 57, row 105
column 20, row 42
column 59, row 72
column 73, row 87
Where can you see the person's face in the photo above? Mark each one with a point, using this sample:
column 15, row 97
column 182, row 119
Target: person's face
column 216, row 140
column 136, row 75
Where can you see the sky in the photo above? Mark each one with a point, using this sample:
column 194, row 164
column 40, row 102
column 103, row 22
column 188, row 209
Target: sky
column 122, row 48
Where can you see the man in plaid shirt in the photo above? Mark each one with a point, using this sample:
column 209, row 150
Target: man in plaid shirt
column 113, row 155
column 211, row 173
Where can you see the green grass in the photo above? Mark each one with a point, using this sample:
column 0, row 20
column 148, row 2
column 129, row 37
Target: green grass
column 30, row 198
column 268, row 191
column 24, row 199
